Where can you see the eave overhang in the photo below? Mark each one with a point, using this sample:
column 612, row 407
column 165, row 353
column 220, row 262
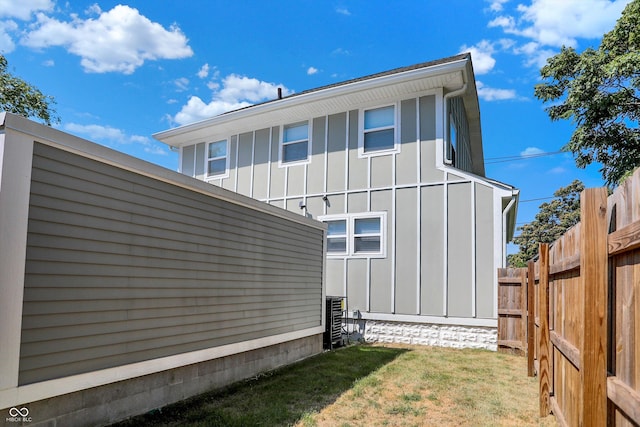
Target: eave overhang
column 449, row 74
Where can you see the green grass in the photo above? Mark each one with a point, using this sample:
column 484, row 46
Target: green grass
column 366, row 385
column 282, row 397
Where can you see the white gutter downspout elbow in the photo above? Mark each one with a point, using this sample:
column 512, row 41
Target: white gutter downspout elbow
column 446, row 97
column 504, row 229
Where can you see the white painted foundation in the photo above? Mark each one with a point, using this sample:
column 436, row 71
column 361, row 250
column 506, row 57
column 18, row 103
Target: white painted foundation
column 428, row 334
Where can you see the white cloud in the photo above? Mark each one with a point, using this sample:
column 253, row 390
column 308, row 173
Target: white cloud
column 98, row 132
column 196, row 109
column 7, row 45
column 531, row 151
column 154, row 149
column 49, row 63
column 93, row 9
column 311, row 71
column 343, row 11
column 558, row 170
column 112, row 136
column 182, row 83
column 481, row 55
column 545, row 25
column 507, row 23
column 496, row 5
column 235, row 88
column 119, row 40
column 203, row 73
column 23, row 9
column 341, row 51
column 235, row 92
column 555, row 23
column 492, row 94
column 535, row 55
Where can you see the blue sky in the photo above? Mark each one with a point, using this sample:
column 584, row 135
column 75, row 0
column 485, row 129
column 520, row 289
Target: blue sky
column 122, row 71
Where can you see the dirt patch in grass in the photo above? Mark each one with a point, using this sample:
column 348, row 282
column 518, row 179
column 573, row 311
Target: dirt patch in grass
column 372, row 386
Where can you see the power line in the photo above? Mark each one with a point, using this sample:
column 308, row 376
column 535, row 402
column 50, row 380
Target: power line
column 504, row 159
column 535, row 200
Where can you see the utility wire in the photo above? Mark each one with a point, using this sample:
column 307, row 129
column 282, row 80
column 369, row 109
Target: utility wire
column 504, row 159
column 535, row 200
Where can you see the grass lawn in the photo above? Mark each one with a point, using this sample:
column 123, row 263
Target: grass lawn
column 367, row 385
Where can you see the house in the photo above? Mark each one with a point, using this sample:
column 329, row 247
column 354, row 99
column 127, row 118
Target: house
column 393, row 163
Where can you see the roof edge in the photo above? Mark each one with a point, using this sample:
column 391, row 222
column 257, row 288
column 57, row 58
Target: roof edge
column 362, row 83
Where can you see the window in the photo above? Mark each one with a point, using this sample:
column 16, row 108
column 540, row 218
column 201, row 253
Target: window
column 295, row 143
column 366, row 235
column 217, row 159
column 378, row 130
column 337, row 236
column 356, row 235
column 453, row 141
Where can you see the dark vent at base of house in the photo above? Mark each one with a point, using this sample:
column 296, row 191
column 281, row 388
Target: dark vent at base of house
column 333, row 328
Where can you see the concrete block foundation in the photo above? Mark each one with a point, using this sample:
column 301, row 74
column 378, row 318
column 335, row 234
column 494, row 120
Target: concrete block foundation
column 114, row 402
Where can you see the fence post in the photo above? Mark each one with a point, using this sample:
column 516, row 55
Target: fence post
column 544, row 344
column 594, row 274
column 531, row 317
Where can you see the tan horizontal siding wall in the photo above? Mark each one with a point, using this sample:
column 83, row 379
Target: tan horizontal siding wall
column 122, row 268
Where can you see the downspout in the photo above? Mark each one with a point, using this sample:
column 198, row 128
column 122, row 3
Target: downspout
column 446, row 97
column 504, row 228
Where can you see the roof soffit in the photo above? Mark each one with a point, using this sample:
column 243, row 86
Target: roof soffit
column 335, row 99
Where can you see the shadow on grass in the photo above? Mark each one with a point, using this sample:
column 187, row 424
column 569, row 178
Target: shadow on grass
column 277, row 398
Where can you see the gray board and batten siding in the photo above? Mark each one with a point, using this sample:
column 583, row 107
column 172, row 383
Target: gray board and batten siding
column 443, row 224
column 113, row 268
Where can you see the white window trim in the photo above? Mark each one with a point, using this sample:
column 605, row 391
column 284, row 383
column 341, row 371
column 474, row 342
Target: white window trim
column 350, row 218
column 396, row 132
column 207, row 159
column 281, row 162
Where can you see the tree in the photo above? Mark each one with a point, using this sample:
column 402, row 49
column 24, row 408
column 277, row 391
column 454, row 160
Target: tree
column 549, row 224
column 19, row 97
column 600, row 91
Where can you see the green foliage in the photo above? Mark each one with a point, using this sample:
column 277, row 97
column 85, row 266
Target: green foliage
column 599, row 90
column 550, row 223
column 19, row 97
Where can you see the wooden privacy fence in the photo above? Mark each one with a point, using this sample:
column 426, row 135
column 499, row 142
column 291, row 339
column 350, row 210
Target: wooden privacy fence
column 575, row 312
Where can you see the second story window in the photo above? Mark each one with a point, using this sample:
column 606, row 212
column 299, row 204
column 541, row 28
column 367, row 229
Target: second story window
column 378, row 131
column 295, row 143
column 217, row 159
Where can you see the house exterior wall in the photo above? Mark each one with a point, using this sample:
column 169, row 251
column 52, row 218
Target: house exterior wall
column 118, row 269
column 441, row 234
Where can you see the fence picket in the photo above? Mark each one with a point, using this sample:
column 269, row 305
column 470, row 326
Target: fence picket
column 543, row 345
